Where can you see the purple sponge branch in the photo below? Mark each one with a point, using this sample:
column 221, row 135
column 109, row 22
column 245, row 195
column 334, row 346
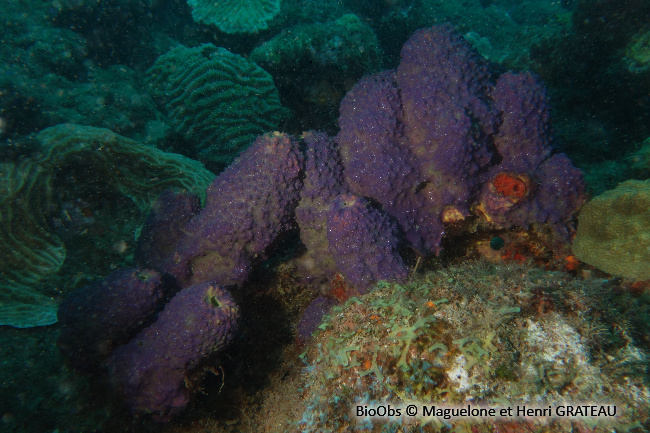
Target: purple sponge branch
column 247, row 206
column 163, row 229
column 364, row 242
column 99, row 316
column 323, row 182
column 150, row 370
column 444, row 85
column 528, row 185
column 523, row 139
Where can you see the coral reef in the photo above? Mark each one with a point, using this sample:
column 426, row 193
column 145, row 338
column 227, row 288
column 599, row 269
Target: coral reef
column 477, row 334
column 38, row 55
column 103, row 28
column 30, row 248
column 614, row 231
column 467, row 334
column 151, row 370
column 216, row 98
column 235, row 16
column 415, row 158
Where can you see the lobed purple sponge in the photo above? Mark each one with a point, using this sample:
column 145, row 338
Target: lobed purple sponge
column 416, row 139
column 376, row 164
column 99, row 316
column 444, row 86
column 523, row 138
column 436, row 141
column 247, row 206
column 364, row 242
column 150, row 370
column 323, row 181
column 163, row 229
column 529, row 185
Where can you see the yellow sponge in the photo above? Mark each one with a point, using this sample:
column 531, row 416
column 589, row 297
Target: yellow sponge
column 614, row 231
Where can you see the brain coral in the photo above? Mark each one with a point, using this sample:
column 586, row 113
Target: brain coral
column 30, row 251
column 216, row 98
column 614, row 231
column 235, row 16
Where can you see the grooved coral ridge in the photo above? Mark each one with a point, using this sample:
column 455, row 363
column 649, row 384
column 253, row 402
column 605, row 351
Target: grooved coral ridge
column 216, row 98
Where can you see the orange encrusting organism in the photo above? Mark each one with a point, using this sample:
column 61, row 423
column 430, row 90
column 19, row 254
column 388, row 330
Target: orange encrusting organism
column 510, row 186
column 340, row 289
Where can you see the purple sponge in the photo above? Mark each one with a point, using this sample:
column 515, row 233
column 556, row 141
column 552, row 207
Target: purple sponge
column 150, row 370
column 416, row 139
column 99, row 316
column 323, row 182
column 247, row 206
column 529, row 185
column 523, row 139
column 435, row 142
column 364, row 242
column 164, row 228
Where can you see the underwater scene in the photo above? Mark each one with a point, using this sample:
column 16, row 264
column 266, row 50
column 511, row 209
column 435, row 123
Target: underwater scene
column 395, row 216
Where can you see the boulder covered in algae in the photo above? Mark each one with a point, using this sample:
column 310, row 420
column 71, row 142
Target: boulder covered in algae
column 483, row 335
